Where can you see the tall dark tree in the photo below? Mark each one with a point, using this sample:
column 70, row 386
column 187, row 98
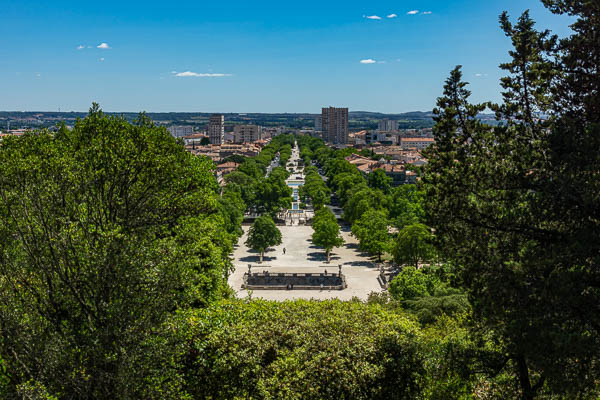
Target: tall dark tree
column 578, row 89
column 498, row 199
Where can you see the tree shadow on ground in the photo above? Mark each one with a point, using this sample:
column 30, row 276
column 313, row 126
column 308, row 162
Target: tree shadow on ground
column 256, row 258
column 321, row 256
column 368, row 264
column 345, row 228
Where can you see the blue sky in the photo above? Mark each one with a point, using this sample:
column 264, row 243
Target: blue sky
column 250, row 56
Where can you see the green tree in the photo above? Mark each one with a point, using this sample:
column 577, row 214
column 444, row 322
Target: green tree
column 236, row 158
column 232, row 207
column 272, row 195
column 512, row 205
column 326, row 231
column 263, row 234
column 315, row 189
column 253, row 168
column 413, row 245
column 243, row 184
column 577, row 90
column 412, row 283
column 344, row 184
column 379, row 180
column 406, row 205
column 204, row 141
column 372, row 232
column 316, row 350
column 362, row 198
column 107, row 229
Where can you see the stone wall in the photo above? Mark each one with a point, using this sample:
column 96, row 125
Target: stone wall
column 294, row 281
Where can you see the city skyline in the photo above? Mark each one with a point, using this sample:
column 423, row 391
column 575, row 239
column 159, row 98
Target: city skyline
column 235, row 57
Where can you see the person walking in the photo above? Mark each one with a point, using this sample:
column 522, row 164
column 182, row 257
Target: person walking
column 284, row 251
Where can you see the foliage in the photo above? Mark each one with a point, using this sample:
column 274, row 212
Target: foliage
column 414, row 243
column 301, row 350
column 326, row 231
column 513, row 204
column 252, row 168
column 412, row 283
column 315, row 189
column 362, row 199
column 336, row 166
column 106, row 230
column 273, row 194
column 380, row 181
column 372, row 232
column 232, row 207
column 406, row 205
column 345, row 183
column 262, row 234
column 236, row 158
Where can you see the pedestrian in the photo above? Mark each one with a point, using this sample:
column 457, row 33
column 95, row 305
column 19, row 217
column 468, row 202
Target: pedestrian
column 284, row 250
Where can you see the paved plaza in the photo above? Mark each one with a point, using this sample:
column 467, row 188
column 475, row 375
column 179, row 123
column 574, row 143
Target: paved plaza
column 302, row 256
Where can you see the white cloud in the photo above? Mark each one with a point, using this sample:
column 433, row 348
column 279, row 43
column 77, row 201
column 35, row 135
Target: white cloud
column 480, row 75
column 102, row 59
column 80, row 47
column 368, row 61
column 38, row 74
column 392, row 16
column 427, row 12
column 373, row 17
column 197, row 75
column 413, row 12
column 103, row 46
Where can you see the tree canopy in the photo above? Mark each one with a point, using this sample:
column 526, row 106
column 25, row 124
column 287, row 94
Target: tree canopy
column 106, row 230
column 326, row 231
column 263, row 234
column 413, row 244
column 514, row 205
column 371, row 229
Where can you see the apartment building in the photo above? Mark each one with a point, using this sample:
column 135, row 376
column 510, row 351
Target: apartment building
column 247, row 133
column 216, row 129
column 335, row 125
column 387, row 125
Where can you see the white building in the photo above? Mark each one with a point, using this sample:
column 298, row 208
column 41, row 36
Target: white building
column 318, row 123
column 180, row 131
column 247, row 133
column 381, row 137
column 216, row 129
column 416, row 143
column 387, row 125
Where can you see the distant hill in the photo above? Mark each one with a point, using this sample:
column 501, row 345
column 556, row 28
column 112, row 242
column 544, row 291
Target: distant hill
column 357, row 119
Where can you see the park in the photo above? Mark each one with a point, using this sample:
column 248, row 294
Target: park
column 302, row 256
